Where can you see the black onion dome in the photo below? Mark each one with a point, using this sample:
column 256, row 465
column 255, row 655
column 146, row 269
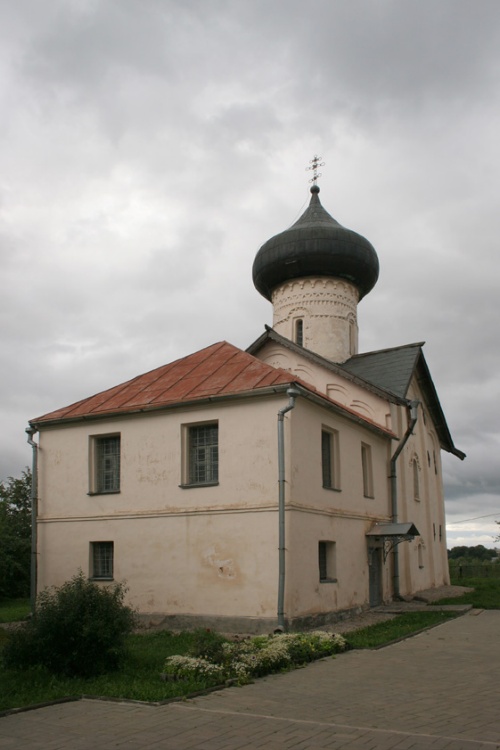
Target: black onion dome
column 316, row 245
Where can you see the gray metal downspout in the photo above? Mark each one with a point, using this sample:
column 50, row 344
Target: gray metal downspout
column 292, row 393
column 34, row 514
column 413, row 405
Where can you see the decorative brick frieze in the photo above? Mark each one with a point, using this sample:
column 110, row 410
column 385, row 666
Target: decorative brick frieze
column 328, row 310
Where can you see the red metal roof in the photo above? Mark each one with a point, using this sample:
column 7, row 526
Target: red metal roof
column 220, row 369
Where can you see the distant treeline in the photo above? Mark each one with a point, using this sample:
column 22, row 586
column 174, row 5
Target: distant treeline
column 479, row 553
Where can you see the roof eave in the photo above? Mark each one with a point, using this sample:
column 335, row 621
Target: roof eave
column 149, row 409
column 280, row 388
column 425, row 382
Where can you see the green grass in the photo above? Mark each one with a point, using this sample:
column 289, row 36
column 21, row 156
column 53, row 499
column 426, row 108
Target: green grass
column 138, row 678
column 486, row 594
column 398, row 627
column 139, row 675
column 12, row 610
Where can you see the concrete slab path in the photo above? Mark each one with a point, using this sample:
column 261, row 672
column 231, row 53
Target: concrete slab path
column 436, row 690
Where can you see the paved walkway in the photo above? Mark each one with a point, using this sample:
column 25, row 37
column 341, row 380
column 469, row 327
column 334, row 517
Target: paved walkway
column 436, row 690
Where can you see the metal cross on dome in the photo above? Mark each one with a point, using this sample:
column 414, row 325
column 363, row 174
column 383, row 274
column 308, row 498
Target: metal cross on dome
column 314, row 164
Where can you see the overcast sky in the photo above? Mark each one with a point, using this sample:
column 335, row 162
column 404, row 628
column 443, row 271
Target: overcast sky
column 149, row 147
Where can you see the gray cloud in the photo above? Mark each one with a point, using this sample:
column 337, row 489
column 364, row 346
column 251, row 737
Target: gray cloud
column 148, row 150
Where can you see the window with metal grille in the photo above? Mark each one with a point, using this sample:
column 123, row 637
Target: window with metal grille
column 102, row 559
column 203, row 463
column 327, row 562
column 107, row 464
column 330, row 459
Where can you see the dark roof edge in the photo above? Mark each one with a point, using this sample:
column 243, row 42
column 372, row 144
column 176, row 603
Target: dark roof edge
column 426, row 383
column 271, row 334
column 418, row 344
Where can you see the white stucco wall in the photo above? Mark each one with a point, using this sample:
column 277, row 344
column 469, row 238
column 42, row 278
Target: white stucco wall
column 213, row 551
column 342, row 516
column 197, row 550
column 429, row 568
column 195, row 564
column 337, row 387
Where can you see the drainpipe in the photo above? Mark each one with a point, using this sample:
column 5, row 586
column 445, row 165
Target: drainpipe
column 34, row 514
column 413, row 405
column 292, row 394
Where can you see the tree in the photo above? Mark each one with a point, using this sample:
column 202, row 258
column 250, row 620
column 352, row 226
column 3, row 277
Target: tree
column 15, row 536
column 479, row 553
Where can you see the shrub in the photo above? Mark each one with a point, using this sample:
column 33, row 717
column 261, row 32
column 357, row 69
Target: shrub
column 208, row 644
column 78, row 629
column 252, row 657
column 192, row 668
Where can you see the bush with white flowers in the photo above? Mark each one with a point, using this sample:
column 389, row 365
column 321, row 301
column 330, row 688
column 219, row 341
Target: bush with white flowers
column 191, row 667
column 252, row 657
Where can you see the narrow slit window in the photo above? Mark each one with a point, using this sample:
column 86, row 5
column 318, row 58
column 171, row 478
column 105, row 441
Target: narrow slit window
column 330, row 459
column 353, row 338
column 416, row 483
column 299, row 332
column 367, row 468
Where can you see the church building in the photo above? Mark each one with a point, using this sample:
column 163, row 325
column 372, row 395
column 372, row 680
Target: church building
column 284, row 486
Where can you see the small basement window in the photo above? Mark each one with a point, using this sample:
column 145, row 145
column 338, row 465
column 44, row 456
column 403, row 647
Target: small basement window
column 327, row 562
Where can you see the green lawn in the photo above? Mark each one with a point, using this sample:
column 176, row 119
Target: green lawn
column 398, row 627
column 138, row 678
column 486, row 594
column 139, row 675
column 12, row 610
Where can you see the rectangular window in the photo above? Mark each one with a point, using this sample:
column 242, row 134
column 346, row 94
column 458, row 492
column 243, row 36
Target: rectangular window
column 366, row 463
column 330, row 464
column 101, row 560
column 202, row 454
column 105, row 476
column 327, row 562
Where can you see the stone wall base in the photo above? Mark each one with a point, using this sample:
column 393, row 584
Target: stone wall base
column 243, row 625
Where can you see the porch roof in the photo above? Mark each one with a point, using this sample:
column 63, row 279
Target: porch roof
column 393, row 529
